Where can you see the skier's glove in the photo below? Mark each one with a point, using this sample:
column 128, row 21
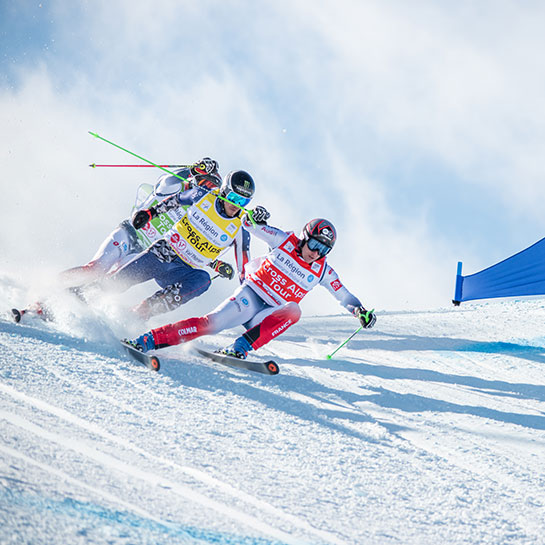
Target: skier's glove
column 367, row 318
column 260, row 215
column 142, row 217
column 222, row 268
column 205, row 166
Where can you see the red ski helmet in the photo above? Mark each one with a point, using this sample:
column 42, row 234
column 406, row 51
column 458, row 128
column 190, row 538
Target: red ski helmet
column 322, row 232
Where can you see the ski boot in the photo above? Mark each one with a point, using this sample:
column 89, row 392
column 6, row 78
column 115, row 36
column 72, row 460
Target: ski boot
column 239, row 349
column 144, row 343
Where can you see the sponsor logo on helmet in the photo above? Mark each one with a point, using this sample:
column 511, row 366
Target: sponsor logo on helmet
column 327, row 232
column 245, row 301
column 244, row 191
column 242, row 187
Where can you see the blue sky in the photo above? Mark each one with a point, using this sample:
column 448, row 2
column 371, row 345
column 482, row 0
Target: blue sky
column 417, row 128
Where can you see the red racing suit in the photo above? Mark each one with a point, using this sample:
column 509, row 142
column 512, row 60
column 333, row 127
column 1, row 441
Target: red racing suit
column 267, row 303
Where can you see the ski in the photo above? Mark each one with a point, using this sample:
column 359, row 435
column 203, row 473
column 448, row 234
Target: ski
column 151, row 362
column 266, row 367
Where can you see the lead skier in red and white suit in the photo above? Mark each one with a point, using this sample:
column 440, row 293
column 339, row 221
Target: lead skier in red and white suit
column 267, row 302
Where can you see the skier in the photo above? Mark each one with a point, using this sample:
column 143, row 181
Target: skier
column 267, row 303
column 209, row 223
column 124, row 242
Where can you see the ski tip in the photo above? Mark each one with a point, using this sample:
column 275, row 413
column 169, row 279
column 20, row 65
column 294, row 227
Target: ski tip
column 329, row 356
column 16, row 315
column 272, row 367
column 150, row 361
column 155, row 365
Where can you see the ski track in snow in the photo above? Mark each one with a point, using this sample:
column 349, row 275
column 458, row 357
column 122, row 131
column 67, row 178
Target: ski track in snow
column 429, row 428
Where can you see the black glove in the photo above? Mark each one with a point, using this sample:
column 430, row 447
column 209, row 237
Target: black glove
column 260, row 215
column 142, row 217
column 222, row 268
column 367, row 318
column 206, row 166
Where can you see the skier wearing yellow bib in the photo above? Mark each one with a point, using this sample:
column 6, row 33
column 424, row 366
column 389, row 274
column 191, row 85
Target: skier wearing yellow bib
column 209, row 225
column 123, row 243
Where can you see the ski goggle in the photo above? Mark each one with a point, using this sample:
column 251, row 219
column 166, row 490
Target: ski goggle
column 317, row 246
column 237, row 199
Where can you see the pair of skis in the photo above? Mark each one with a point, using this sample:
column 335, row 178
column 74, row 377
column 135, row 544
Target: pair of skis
column 152, row 362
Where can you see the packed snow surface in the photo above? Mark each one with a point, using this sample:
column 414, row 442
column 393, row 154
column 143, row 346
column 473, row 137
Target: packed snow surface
column 428, row 429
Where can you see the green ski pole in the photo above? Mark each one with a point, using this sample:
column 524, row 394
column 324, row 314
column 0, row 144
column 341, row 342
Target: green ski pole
column 137, row 156
column 329, row 356
column 249, row 212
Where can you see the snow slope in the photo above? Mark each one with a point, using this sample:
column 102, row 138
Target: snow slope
column 428, row 429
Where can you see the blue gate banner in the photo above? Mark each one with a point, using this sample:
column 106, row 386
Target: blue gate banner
column 520, row 274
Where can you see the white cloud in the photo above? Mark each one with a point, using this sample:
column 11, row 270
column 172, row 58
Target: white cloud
column 463, row 83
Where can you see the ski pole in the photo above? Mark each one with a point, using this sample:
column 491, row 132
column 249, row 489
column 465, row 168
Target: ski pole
column 137, row 156
column 329, row 356
column 249, row 212
column 94, row 165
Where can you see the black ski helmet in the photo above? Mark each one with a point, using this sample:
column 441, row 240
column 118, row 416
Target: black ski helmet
column 238, row 187
column 321, row 230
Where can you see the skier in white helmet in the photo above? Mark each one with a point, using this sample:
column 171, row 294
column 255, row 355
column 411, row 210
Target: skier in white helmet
column 267, row 303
